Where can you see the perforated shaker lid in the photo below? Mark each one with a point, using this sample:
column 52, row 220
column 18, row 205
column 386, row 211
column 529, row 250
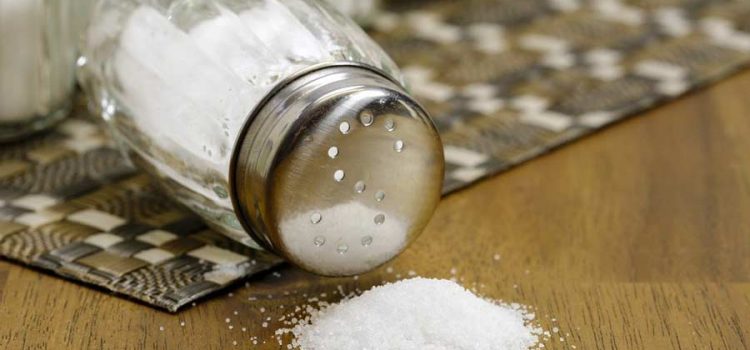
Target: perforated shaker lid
column 338, row 171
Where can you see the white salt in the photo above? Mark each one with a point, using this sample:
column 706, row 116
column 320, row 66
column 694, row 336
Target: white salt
column 417, row 314
column 206, row 78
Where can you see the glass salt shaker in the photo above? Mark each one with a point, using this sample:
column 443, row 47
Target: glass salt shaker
column 279, row 122
column 37, row 62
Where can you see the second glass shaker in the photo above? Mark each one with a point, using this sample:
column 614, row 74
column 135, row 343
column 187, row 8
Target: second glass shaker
column 38, row 43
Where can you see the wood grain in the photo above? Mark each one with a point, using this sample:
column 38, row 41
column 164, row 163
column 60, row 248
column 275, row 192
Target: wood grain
column 635, row 238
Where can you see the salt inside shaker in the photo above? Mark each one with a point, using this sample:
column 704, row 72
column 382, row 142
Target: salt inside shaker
column 279, row 122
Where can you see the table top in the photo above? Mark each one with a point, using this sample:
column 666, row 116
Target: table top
column 634, row 238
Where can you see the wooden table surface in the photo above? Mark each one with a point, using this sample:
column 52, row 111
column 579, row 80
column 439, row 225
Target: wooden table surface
column 635, row 238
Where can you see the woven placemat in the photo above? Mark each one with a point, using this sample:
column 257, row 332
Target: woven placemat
column 505, row 81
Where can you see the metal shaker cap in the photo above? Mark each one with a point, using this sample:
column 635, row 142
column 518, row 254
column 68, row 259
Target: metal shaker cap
column 338, row 170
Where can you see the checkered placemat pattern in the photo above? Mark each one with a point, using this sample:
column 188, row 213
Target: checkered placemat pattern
column 69, row 203
column 505, row 80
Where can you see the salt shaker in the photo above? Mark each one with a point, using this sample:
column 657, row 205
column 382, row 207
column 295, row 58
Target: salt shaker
column 279, row 122
column 38, row 40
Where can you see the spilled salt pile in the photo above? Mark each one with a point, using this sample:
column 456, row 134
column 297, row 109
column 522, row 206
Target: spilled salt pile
column 418, row 314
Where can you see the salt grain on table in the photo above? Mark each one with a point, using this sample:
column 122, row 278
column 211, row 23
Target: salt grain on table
column 417, row 314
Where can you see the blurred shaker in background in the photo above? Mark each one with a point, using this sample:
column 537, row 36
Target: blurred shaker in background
column 280, row 122
column 38, row 40
column 362, row 11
